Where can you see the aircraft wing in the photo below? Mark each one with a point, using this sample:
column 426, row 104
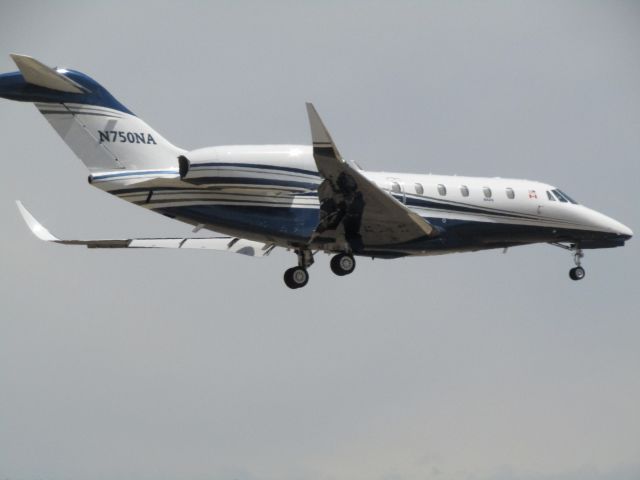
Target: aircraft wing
column 227, row 244
column 354, row 207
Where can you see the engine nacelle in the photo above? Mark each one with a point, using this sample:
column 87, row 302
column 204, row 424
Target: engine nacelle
column 283, row 167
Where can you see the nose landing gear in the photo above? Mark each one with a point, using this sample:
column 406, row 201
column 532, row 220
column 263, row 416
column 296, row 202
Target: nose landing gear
column 577, row 272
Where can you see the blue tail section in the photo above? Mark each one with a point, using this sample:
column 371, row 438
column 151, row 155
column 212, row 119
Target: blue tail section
column 99, row 129
column 13, row 86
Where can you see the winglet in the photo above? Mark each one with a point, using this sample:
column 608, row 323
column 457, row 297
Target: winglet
column 36, row 227
column 39, row 74
column 319, row 134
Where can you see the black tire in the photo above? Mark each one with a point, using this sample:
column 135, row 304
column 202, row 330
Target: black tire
column 296, row 277
column 343, row 264
column 577, row 273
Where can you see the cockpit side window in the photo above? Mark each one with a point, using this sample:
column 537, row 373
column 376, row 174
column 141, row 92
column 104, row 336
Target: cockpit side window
column 563, row 197
column 567, row 197
column 559, row 196
column 550, row 197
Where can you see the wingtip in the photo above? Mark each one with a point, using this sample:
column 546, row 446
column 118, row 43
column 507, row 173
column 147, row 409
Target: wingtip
column 36, row 227
column 19, row 59
column 319, row 134
column 311, row 110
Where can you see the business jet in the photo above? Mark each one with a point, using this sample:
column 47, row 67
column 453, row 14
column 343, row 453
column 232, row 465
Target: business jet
column 306, row 199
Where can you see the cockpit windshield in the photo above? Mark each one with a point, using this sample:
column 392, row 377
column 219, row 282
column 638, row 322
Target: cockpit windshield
column 563, row 197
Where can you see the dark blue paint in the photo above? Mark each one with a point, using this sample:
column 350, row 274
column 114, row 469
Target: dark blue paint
column 296, row 225
column 293, row 224
column 14, row 87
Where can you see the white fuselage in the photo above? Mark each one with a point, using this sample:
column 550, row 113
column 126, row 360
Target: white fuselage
column 275, row 184
column 303, row 198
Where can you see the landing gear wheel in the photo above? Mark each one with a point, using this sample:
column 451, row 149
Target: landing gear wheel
column 343, row 264
column 296, row 277
column 577, row 273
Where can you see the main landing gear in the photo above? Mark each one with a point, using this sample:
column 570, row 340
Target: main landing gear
column 577, row 272
column 297, row 277
column 343, row 264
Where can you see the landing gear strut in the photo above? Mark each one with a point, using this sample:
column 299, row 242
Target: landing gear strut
column 298, row 277
column 343, row 264
column 577, row 272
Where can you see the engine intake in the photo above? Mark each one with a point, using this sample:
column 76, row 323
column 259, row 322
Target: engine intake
column 183, row 166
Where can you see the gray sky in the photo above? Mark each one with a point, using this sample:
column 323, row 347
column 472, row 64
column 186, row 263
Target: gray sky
column 199, row 365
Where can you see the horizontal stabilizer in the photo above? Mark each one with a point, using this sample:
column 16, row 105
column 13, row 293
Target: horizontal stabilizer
column 226, row 244
column 39, row 74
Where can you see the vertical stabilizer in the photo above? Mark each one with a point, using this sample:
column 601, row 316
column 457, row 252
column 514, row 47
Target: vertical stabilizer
column 101, row 131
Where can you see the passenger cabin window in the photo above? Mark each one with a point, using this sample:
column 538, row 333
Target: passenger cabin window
column 464, row 190
column 510, row 193
column 550, row 197
column 442, row 190
column 487, row 192
column 395, row 187
column 419, row 189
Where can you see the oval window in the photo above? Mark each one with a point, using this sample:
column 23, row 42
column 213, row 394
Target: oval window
column 464, row 190
column 419, row 189
column 487, row 192
column 442, row 190
column 395, row 187
column 510, row 193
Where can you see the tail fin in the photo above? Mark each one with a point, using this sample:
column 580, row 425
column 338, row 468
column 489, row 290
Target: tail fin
column 101, row 131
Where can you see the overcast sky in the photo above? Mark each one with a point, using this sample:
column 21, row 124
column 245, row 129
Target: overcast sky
column 167, row 365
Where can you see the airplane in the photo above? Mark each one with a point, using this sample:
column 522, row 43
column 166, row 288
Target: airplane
column 303, row 198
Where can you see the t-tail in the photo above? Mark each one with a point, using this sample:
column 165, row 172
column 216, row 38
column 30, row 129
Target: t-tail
column 101, row 131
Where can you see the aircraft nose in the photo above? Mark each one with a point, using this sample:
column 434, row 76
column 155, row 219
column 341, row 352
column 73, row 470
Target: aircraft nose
column 619, row 228
column 625, row 231
column 611, row 225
